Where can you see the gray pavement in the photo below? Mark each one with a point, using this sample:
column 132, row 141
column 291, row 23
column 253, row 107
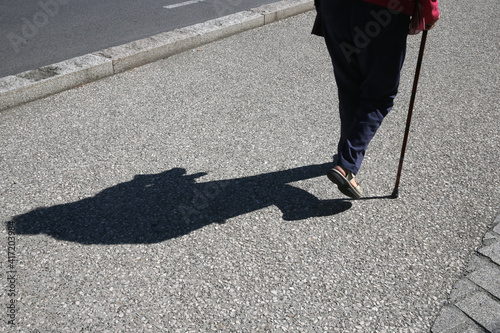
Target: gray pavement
column 46, row 80
column 41, row 33
column 188, row 195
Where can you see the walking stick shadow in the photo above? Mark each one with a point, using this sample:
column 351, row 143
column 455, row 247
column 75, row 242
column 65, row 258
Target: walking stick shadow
column 157, row 207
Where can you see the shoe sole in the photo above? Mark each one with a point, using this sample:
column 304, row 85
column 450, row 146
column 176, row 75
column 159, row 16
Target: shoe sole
column 343, row 184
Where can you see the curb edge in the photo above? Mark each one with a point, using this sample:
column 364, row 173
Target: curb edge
column 48, row 80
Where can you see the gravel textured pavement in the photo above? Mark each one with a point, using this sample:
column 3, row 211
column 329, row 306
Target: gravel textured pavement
column 189, row 195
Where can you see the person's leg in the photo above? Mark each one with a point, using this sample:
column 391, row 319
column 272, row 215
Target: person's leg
column 367, row 44
column 336, row 16
column 379, row 60
column 380, row 63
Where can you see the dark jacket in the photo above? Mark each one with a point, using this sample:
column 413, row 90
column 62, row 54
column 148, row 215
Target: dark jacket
column 429, row 7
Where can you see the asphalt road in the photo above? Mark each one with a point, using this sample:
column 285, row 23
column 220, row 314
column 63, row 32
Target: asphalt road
column 40, row 33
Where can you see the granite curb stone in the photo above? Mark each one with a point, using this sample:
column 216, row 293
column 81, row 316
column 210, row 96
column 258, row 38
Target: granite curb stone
column 47, row 80
column 474, row 303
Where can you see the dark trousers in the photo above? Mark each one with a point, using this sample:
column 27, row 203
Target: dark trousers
column 367, row 45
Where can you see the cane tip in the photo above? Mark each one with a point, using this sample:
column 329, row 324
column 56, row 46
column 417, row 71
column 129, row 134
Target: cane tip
column 395, row 193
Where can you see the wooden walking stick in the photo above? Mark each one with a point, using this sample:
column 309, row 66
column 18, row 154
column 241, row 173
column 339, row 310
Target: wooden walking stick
column 395, row 192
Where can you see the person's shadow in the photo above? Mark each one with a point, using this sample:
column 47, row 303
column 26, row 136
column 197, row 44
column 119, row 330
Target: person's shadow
column 157, row 207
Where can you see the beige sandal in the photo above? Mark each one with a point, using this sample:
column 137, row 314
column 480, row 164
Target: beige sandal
column 344, row 183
